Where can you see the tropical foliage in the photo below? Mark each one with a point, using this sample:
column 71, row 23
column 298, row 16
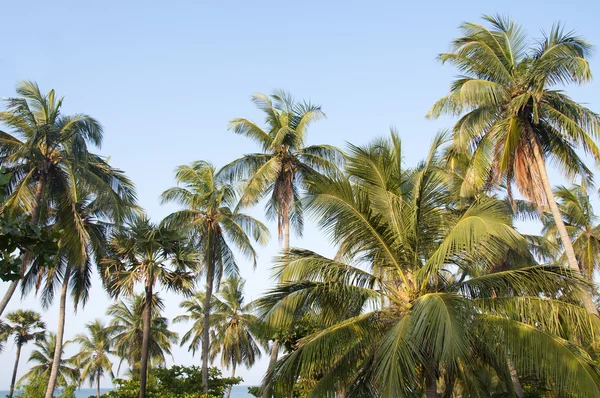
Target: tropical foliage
column 233, row 326
column 126, row 331
column 43, row 357
column 25, row 326
column 211, row 217
column 415, row 267
column 149, row 254
column 512, row 112
column 432, row 289
column 93, row 357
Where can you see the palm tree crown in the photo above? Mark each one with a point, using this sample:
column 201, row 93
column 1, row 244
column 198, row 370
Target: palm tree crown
column 582, row 225
column 211, row 217
column 47, row 155
column 515, row 117
column 24, row 326
column 43, row 355
column 149, row 254
column 126, row 330
column 280, row 170
column 93, row 356
column 234, row 324
column 412, row 300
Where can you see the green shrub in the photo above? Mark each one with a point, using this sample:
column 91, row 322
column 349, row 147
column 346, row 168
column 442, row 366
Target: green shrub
column 175, row 382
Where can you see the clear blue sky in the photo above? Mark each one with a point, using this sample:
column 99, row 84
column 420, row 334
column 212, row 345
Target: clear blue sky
column 165, row 79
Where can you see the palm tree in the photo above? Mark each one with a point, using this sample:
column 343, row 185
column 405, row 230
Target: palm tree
column 79, row 249
column 194, row 311
column 211, row 217
column 581, row 223
column 43, row 355
column 25, row 326
column 93, row 356
column 413, row 301
column 513, row 114
column 4, row 333
column 234, row 328
column 46, row 153
column 127, row 331
column 232, row 325
column 283, row 165
column 149, row 254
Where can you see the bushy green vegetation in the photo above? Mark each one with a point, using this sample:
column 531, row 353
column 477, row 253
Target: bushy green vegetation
column 175, row 382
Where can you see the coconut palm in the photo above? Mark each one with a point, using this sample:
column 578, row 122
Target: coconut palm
column 512, row 112
column 279, row 171
column 211, row 217
column 4, row 333
column 412, row 302
column 24, row 326
column 93, row 356
column 581, row 223
column 43, row 355
column 234, row 326
column 148, row 254
column 80, row 249
column 194, row 311
column 127, row 329
column 47, row 153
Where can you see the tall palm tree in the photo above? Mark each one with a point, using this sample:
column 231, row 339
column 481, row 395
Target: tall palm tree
column 194, row 311
column 93, row 356
column 581, row 223
column 232, row 325
column 212, row 219
column 127, row 331
column 279, row 171
column 234, row 328
column 43, row 355
column 512, row 112
column 413, row 302
column 148, row 254
column 25, row 326
column 46, row 153
column 80, row 248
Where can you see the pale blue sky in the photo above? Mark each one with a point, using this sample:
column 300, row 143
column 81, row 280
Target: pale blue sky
column 165, row 79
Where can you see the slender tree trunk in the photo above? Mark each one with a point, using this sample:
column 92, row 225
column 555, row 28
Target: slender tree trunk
column 514, row 378
column 98, row 385
column 560, row 225
column 431, row 387
column 14, row 375
column 9, row 293
column 341, row 393
column 210, row 276
column 232, row 376
column 59, row 334
column 35, row 218
column 285, row 231
column 146, row 340
column 274, row 353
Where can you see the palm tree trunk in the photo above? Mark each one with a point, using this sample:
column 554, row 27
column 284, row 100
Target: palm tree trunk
column 35, row 218
column 431, row 387
column 146, row 340
column 232, row 376
column 285, row 231
column 14, row 375
column 514, row 377
column 560, row 225
column 59, row 335
column 210, row 276
column 98, row 385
